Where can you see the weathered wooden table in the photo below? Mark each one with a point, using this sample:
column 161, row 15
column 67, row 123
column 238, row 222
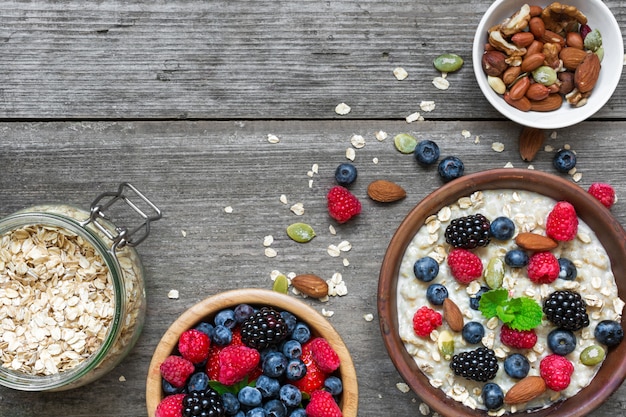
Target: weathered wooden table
column 179, row 97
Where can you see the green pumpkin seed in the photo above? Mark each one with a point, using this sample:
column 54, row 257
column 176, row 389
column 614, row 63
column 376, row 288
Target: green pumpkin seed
column 593, row 40
column 494, row 273
column 300, row 232
column 445, row 342
column 281, row 284
column 405, row 143
column 592, row 355
column 600, row 53
column 545, row 75
column 448, row 62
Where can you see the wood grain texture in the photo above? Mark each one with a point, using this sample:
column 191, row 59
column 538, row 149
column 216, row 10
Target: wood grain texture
column 194, row 169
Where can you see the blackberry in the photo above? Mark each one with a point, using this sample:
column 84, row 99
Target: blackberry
column 567, row 310
column 204, row 403
column 468, row 232
column 478, row 365
column 265, row 328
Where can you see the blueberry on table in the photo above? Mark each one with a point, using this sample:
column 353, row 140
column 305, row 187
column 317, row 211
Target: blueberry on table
column 426, row 269
column 345, row 174
column 516, row 366
column 564, row 160
column 450, row 168
column 516, row 258
column 427, row 152
column 493, row 396
column 561, row 341
column 567, row 269
column 609, row 332
column 502, row 228
column 436, row 293
column 473, row 332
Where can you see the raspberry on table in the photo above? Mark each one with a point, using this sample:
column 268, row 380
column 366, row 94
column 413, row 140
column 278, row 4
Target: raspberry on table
column 342, row 204
column 465, row 266
column 603, row 192
column 519, row 339
column 543, row 268
column 176, row 369
column 562, row 222
column 425, row 320
column 556, row 371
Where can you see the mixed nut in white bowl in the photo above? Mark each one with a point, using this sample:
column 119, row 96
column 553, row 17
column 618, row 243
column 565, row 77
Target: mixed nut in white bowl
column 553, row 111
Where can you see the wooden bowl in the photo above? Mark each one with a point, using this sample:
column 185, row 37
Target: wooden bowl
column 609, row 231
column 206, row 309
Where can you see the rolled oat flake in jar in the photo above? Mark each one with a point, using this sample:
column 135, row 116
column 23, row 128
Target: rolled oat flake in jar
column 72, row 296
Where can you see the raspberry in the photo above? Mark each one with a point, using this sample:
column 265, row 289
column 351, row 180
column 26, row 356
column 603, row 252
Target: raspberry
column 603, row 192
column 236, row 362
column 324, row 355
column 556, row 371
column 543, row 268
column 213, row 364
column 176, row 370
column 314, row 378
column 562, row 222
column 322, row 404
column 194, row 345
column 425, row 320
column 465, row 265
column 342, row 204
column 170, row 406
column 519, row 339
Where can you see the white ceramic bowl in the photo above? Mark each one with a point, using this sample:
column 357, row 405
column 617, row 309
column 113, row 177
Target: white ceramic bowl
column 599, row 17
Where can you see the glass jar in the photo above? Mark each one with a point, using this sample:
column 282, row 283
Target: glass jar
column 72, row 295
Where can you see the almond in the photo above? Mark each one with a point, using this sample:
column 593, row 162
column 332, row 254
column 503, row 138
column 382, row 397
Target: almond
column 452, row 314
column 525, row 390
column 586, row 75
column 574, row 40
column 530, row 141
column 537, row 92
column 311, row 285
column 572, row 57
column 532, row 62
column 551, row 37
column 385, row 191
column 550, row 103
column 535, row 242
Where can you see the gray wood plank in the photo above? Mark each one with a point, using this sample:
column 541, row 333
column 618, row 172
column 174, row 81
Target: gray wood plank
column 194, row 169
column 253, row 59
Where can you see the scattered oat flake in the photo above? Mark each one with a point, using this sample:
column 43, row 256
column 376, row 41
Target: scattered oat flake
column 413, row 117
column 424, row 409
column 375, row 160
column 357, row 141
column 327, row 313
column 400, row 73
column 228, row 209
column 548, row 148
column 402, row 387
column 331, row 230
column 368, row 317
column 268, row 240
column 122, row 378
column 350, row 154
column 310, row 174
column 270, row 252
column 497, row 146
column 184, row 233
column 508, row 165
column 441, row 83
column 342, row 109
column 344, row 246
column 173, row 294
column 465, row 133
column 315, row 168
column 477, row 139
column 272, row 138
column 553, row 135
column 333, row 251
column 310, row 183
column 297, row 209
column 345, row 262
column 283, row 199
column 577, row 177
column 381, row 135
column 427, row 106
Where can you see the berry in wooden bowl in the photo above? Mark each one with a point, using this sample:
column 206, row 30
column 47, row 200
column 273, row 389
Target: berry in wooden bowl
column 251, row 348
column 522, row 312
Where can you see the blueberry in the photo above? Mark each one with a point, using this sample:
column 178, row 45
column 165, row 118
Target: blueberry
column 436, row 293
column 206, row 328
column 256, row 412
column 450, row 168
column 502, row 228
column 290, row 395
column 516, row 366
column 296, row 369
column 292, row 348
column 333, row 385
column 609, row 332
column 198, row 382
column 290, row 321
column 298, row 412
column 345, row 174
column 427, row 152
column 475, row 299
column 561, row 341
column 242, row 312
column 516, row 258
column 473, row 332
column 250, row 396
column 274, row 364
column 169, row 389
column 425, row 269
column 222, row 336
column 301, row 333
column 567, row 270
column 225, row 318
column 564, row 160
column 231, row 403
column 492, row 395
column 269, row 387
column 267, row 351
column 275, row 408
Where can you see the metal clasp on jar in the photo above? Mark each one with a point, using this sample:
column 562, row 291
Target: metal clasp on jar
column 122, row 235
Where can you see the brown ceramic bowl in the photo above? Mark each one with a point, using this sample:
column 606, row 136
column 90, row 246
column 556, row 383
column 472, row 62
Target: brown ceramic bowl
column 609, row 231
column 206, row 309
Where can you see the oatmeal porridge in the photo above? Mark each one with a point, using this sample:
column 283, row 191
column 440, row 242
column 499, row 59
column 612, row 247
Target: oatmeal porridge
column 593, row 280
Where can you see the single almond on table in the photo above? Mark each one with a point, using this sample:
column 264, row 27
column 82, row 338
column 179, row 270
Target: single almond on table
column 535, row 242
column 530, row 141
column 311, row 285
column 385, row 191
column 452, row 314
column 525, row 390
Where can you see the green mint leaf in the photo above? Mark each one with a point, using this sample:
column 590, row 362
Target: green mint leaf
column 491, row 300
column 529, row 314
column 505, row 314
